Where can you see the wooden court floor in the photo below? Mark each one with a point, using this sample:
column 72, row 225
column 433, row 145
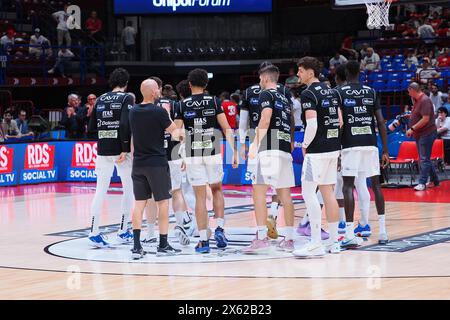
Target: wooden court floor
column 44, row 254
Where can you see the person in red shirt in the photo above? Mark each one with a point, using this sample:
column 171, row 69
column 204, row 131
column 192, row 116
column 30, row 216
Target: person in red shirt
column 443, row 59
column 436, row 21
column 94, row 25
column 443, row 30
column 230, row 109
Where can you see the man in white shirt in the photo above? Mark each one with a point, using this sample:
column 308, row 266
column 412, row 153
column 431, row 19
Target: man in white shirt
column 39, row 44
column 371, row 61
column 337, row 60
column 411, row 59
column 437, row 97
column 426, row 31
column 443, row 130
column 7, row 41
column 64, row 56
column 129, row 40
column 427, row 72
column 62, row 29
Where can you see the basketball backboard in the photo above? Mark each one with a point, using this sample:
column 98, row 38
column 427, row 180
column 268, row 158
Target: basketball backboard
column 348, row 4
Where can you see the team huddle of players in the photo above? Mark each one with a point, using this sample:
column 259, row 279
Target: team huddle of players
column 340, row 153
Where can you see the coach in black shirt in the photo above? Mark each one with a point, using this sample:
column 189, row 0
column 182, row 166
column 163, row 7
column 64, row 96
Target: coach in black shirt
column 150, row 167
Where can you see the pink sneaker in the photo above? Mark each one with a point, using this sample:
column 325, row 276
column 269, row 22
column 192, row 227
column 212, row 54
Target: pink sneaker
column 286, row 245
column 257, row 246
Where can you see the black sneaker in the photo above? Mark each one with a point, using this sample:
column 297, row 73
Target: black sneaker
column 137, row 254
column 167, row 251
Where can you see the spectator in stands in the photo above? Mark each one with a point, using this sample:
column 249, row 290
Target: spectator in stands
column 7, row 41
column 443, row 60
column 423, row 128
column 427, row 72
column 410, row 30
column 443, row 130
column 426, row 31
column 297, row 109
column 443, row 30
column 437, row 97
column 73, row 117
column 62, row 61
column 9, row 126
column 337, row 60
column 363, row 51
column 432, row 58
column 347, row 48
column 229, row 108
column 39, row 44
column 447, row 103
column 169, row 92
column 62, row 29
column 323, row 70
column 436, row 21
column 421, row 52
column 292, row 81
column 129, row 40
column 22, row 124
column 411, row 59
column 371, row 61
column 94, row 26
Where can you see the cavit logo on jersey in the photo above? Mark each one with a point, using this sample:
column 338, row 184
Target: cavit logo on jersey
column 189, row 114
column 349, row 102
column 39, row 160
column 7, row 176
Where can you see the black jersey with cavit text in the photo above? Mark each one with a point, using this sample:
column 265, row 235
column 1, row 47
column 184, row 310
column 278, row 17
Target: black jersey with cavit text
column 325, row 101
column 199, row 114
column 169, row 144
column 358, row 103
column 279, row 132
column 110, row 120
column 250, row 102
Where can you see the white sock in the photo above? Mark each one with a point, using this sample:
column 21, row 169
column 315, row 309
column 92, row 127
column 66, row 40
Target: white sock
column 382, row 223
column 220, row 222
column 305, row 219
column 274, row 209
column 342, row 214
column 150, row 230
column 289, row 233
column 316, row 225
column 333, row 231
column 349, row 230
column 364, row 219
column 262, row 232
column 179, row 217
column 203, row 235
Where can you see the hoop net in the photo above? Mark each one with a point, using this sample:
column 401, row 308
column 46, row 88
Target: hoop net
column 378, row 13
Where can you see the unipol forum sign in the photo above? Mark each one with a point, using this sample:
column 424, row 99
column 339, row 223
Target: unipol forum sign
column 190, row 6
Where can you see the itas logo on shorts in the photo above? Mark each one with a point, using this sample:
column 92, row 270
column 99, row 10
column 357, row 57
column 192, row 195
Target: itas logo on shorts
column 189, row 114
column 254, row 101
column 116, row 106
column 107, row 114
column 208, row 112
column 279, row 105
column 368, row 101
column 200, row 121
column 326, row 103
column 6, row 159
column 84, row 155
column 40, row 156
column 349, row 102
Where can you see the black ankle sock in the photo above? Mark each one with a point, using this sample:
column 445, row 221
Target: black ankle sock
column 163, row 240
column 137, row 238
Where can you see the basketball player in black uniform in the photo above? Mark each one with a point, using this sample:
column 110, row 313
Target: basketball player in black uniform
column 322, row 145
column 250, row 112
column 360, row 107
column 201, row 114
column 272, row 148
column 110, row 120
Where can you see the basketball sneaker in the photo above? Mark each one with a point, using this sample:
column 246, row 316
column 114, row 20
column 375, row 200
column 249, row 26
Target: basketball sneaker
column 137, row 254
column 351, row 243
column 202, row 247
column 383, row 239
column 420, row 187
column 147, row 241
column 305, row 230
column 361, row 231
column 181, row 235
column 310, row 250
column 125, row 237
column 99, row 240
column 219, row 236
column 257, row 246
column 333, row 247
column 168, row 250
column 286, row 245
column 272, row 227
column 341, row 227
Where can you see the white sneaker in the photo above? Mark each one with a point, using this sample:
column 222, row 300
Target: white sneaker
column 333, row 247
column 352, row 242
column 420, row 187
column 310, row 250
column 183, row 238
column 383, row 239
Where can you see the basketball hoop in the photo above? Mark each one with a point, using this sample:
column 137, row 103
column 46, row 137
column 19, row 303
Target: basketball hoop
column 378, row 12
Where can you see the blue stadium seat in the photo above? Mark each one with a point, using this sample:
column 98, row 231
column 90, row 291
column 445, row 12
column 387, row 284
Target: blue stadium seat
column 393, row 85
column 405, row 84
column 393, row 148
column 379, row 85
column 395, row 76
column 408, row 75
column 439, row 83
